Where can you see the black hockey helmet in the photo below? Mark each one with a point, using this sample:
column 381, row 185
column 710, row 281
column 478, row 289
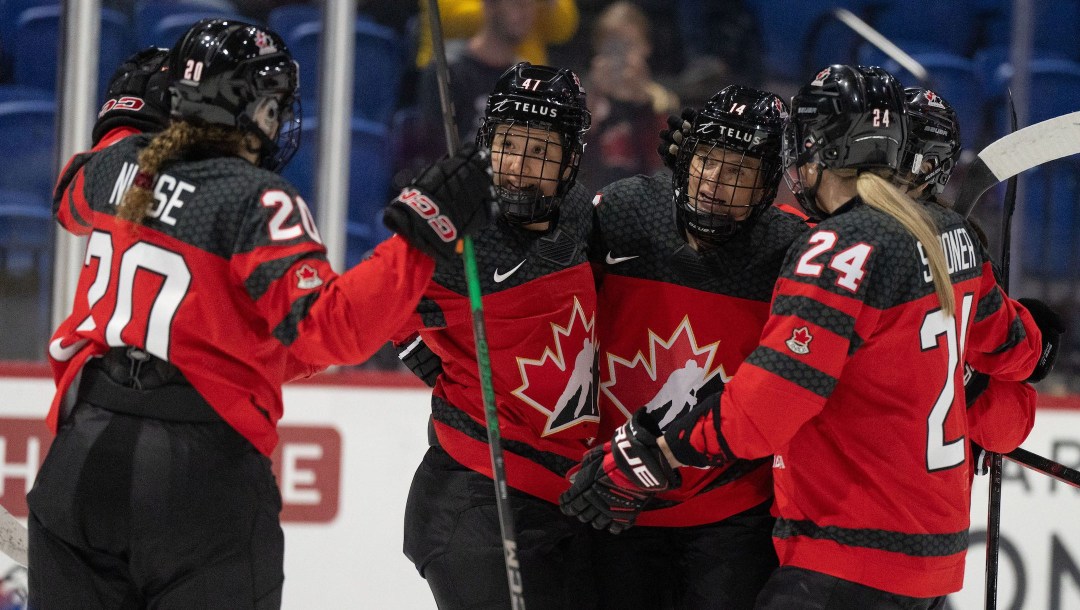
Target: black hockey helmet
column 538, row 97
column 933, row 135
column 225, row 72
column 847, row 117
column 740, row 120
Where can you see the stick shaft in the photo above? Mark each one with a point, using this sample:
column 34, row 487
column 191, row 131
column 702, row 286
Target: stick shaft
column 472, row 280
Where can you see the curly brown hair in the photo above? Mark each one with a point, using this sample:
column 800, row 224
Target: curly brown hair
column 175, row 143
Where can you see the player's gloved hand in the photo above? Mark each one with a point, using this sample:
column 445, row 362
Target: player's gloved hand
column 671, row 139
column 1052, row 327
column 452, row 198
column 423, row 362
column 138, row 95
column 615, row 481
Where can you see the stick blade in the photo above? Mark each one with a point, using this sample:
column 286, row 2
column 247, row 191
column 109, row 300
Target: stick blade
column 12, row 538
column 1018, row 152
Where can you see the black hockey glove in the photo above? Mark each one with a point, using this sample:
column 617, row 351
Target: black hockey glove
column 672, row 138
column 1052, row 327
column 138, row 95
column 423, row 362
column 617, row 480
column 452, row 198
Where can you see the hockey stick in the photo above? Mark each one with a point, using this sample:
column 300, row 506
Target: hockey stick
column 993, row 510
column 1049, row 467
column 483, row 362
column 12, row 537
column 1017, row 152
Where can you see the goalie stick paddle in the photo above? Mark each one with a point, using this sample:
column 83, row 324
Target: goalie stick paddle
column 483, row 362
column 12, row 537
column 1018, row 152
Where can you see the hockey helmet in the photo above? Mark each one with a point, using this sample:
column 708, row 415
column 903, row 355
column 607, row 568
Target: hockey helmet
column 933, row 135
column 225, row 72
column 847, row 117
column 538, row 98
column 713, row 178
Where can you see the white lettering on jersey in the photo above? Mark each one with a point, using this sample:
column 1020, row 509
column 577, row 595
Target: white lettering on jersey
column 123, row 182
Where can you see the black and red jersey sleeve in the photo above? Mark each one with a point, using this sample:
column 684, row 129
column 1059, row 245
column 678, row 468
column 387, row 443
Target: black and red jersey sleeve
column 1003, row 415
column 819, row 316
column 281, row 262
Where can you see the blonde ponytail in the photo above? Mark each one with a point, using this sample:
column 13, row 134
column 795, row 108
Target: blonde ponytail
column 879, row 193
column 174, row 143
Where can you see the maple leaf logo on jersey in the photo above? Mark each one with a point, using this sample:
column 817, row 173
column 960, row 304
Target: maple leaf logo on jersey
column 668, row 378
column 570, row 359
column 800, row 341
column 307, row 278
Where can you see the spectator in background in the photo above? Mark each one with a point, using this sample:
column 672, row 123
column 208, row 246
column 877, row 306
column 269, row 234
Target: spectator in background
column 474, row 70
column 556, row 22
column 723, row 45
column 628, row 106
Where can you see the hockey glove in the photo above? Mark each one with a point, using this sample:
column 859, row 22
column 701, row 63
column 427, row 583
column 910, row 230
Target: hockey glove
column 138, row 95
column 447, row 201
column 423, row 362
column 1052, row 327
column 617, row 480
column 672, row 138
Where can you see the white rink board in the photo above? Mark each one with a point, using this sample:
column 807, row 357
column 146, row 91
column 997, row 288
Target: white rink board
column 355, row 559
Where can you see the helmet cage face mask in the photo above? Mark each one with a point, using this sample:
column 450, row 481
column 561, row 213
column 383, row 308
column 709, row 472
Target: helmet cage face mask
column 934, row 136
column 528, row 165
column 728, row 168
column 547, row 104
column 226, row 72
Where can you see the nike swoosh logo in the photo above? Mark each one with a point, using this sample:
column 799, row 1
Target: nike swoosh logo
column 613, row 260
column 500, row 277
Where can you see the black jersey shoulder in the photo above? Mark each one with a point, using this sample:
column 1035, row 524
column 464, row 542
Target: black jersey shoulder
column 211, row 199
column 896, row 271
column 508, row 256
column 634, row 218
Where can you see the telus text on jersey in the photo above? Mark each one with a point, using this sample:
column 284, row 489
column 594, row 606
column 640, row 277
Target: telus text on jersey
column 168, row 193
column 960, row 253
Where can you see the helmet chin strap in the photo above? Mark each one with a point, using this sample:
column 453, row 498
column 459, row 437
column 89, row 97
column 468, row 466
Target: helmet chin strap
column 808, row 196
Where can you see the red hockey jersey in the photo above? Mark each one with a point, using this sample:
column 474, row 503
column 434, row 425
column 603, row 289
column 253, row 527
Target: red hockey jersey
column 540, row 314
column 675, row 324
column 227, row 280
column 857, row 390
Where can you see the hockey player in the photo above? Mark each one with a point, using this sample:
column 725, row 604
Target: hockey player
column 539, row 307
column 854, row 388
column 205, row 287
column 1000, row 413
column 689, row 262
